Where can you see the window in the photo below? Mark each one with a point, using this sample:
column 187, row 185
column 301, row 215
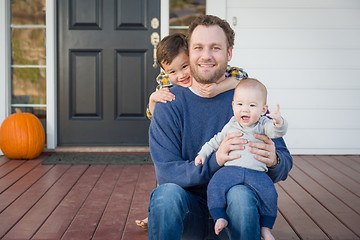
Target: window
column 183, row 12
column 28, row 62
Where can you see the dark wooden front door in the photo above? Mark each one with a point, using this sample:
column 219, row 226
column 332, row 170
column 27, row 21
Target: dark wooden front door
column 106, row 71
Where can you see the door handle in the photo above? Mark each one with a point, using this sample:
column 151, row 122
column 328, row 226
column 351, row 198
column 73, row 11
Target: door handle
column 155, row 39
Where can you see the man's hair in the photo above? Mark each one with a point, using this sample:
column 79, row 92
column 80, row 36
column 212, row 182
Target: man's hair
column 171, row 46
column 253, row 84
column 210, row 20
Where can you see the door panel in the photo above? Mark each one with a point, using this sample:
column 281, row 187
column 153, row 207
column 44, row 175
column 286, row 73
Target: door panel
column 124, row 96
column 105, row 71
column 85, row 89
column 131, row 14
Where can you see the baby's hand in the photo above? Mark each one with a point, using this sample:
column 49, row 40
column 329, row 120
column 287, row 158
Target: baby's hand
column 199, row 160
column 276, row 116
column 163, row 95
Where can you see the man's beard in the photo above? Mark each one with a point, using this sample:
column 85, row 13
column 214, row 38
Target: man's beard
column 207, row 77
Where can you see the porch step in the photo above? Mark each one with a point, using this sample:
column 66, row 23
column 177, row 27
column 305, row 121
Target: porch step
column 114, row 149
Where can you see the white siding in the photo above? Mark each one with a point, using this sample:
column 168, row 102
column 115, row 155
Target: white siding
column 308, row 55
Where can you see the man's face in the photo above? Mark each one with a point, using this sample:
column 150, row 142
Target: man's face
column 209, row 54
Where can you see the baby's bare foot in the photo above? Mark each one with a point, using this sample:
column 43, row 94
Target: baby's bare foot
column 220, row 224
column 266, row 234
column 142, row 223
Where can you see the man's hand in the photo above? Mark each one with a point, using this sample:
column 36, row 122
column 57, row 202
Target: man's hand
column 264, row 152
column 230, row 143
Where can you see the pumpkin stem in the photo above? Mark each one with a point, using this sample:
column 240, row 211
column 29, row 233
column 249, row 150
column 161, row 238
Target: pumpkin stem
column 17, row 110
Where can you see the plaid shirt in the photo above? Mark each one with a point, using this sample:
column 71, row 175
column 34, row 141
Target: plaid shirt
column 163, row 80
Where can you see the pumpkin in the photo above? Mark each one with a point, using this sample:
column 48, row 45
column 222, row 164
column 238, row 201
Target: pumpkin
column 22, row 136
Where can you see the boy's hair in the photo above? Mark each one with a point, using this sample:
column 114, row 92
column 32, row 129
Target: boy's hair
column 253, row 84
column 210, row 20
column 171, row 46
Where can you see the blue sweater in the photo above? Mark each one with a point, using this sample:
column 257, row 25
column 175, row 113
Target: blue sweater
column 180, row 128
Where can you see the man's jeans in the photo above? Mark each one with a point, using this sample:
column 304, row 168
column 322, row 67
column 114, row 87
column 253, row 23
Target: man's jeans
column 176, row 214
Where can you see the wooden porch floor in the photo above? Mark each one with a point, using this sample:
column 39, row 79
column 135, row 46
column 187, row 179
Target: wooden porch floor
column 320, row 200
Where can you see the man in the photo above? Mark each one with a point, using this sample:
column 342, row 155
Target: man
column 177, row 208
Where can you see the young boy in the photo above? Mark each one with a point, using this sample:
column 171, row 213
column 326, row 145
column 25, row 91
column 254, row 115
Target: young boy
column 172, row 55
column 249, row 106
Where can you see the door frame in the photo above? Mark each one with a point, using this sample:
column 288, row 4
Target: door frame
column 51, row 62
column 5, row 57
column 51, row 74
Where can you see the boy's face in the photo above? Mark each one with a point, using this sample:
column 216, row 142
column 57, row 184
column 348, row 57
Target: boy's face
column 209, row 54
column 179, row 70
column 248, row 106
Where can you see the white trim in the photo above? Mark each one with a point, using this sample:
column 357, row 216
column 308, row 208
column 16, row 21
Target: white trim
column 28, row 66
column 51, row 75
column 28, row 105
column 178, row 27
column 4, row 60
column 164, row 18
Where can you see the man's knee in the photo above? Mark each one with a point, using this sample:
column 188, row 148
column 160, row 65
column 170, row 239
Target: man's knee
column 166, row 195
column 243, row 213
column 242, row 199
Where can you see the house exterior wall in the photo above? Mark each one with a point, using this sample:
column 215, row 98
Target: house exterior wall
column 308, row 55
column 306, row 52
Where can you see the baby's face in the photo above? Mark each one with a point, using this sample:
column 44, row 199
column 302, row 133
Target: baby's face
column 179, row 70
column 248, row 106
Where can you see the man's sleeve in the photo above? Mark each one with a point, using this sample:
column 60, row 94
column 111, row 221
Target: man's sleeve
column 281, row 171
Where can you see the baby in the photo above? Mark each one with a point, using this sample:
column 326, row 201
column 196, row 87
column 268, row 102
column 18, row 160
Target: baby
column 249, row 106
